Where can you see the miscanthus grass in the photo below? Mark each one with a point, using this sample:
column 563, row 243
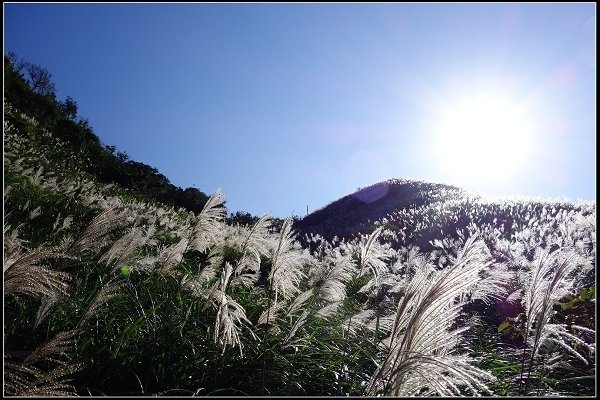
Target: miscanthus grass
column 421, row 359
column 106, row 294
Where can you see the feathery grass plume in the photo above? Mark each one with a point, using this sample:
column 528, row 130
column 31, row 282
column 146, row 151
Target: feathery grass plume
column 331, row 286
column 66, row 223
column 107, row 292
column 285, row 273
column 30, row 377
column 255, row 244
column 23, row 274
column 357, row 321
column 230, row 315
column 207, row 227
column 46, row 305
column 422, row 358
column 300, row 321
column 299, row 301
column 57, row 350
column 269, row 315
column 553, row 275
column 197, row 284
column 329, row 309
column 99, row 227
column 30, row 381
column 171, row 256
column 334, row 279
column 124, row 248
column 371, row 256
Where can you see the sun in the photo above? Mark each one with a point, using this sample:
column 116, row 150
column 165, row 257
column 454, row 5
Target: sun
column 482, row 139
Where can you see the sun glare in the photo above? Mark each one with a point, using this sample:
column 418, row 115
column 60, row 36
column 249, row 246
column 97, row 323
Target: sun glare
column 482, row 139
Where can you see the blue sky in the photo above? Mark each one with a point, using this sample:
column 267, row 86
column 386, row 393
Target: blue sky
column 286, row 106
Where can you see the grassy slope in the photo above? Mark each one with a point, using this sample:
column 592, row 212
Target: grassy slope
column 127, row 302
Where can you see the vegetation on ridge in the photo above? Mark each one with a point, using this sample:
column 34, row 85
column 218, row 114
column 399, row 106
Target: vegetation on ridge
column 110, row 292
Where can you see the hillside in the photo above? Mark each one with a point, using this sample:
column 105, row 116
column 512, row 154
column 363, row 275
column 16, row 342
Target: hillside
column 417, row 213
column 29, row 87
column 356, row 212
column 426, row 289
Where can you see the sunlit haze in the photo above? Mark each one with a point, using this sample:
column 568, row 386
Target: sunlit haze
column 484, row 139
column 292, row 106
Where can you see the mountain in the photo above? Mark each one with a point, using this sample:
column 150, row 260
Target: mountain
column 429, row 215
column 29, row 89
column 355, row 213
column 107, row 278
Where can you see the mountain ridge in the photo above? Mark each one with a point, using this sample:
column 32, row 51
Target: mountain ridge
column 372, row 203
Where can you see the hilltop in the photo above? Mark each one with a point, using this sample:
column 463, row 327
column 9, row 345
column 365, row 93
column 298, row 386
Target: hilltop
column 111, row 288
column 356, row 213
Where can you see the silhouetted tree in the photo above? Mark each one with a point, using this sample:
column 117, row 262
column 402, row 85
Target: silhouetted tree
column 40, row 80
column 242, row 218
column 68, row 108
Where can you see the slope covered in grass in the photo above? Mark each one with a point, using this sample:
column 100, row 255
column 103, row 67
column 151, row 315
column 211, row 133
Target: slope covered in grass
column 109, row 292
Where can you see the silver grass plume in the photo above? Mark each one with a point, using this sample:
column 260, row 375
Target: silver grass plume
column 24, row 275
column 96, row 230
column 370, row 255
column 422, row 358
column 44, row 371
column 57, row 350
column 169, row 257
column 269, row 315
column 285, row 273
column 106, row 293
column 46, row 305
column 230, row 315
column 197, row 283
column 31, row 381
column 254, row 245
column 357, row 321
column 334, row 279
column 553, row 275
column 124, row 248
column 207, row 227
column 299, row 301
column 331, row 292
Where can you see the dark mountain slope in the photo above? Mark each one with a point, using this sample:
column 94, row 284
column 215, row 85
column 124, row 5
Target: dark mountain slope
column 356, row 212
column 422, row 213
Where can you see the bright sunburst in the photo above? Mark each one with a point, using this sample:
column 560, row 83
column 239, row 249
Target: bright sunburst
column 483, row 138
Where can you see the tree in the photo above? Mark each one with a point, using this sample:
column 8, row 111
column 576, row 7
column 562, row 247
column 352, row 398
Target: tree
column 17, row 65
column 68, row 108
column 40, row 80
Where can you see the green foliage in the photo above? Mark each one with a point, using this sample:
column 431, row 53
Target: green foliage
column 29, row 88
column 135, row 297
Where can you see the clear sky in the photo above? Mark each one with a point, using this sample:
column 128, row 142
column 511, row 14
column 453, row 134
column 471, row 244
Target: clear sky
column 286, row 106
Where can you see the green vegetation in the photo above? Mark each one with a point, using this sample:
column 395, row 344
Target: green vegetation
column 28, row 88
column 110, row 289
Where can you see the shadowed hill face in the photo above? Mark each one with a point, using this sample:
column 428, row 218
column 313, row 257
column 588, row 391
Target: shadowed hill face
column 356, row 212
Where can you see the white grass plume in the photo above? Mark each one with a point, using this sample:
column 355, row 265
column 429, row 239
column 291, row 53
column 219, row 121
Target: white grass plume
column 553, row 275
column 230, row 315
column 207, row 227
column 422, row 358
column 286, row 261
column 124, row 248
column 169, row 257
column 96, row 230
column 253, row 245
column 24, row 275
column 105, row 294
column 371, row 255
column 43, row 372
